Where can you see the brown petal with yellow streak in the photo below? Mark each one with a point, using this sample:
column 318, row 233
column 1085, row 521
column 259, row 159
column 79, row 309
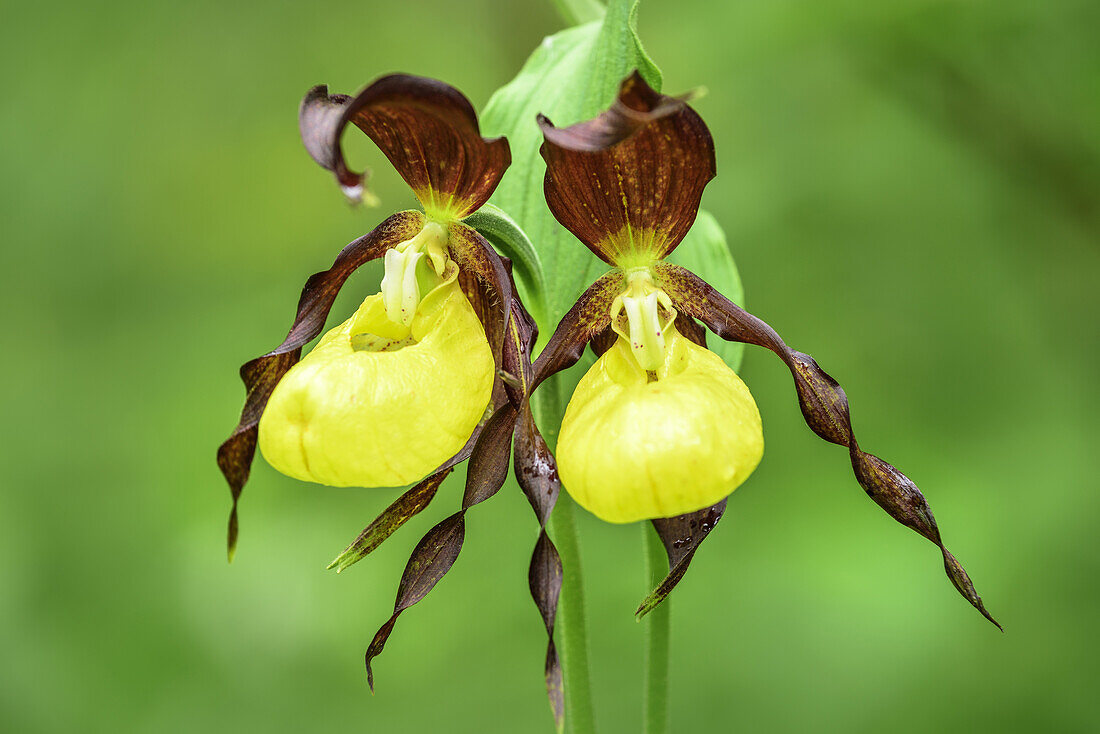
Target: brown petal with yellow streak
column 427, row 129
column 628, row 182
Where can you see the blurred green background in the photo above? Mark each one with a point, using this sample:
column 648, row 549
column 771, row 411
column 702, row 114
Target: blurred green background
column 911, row 191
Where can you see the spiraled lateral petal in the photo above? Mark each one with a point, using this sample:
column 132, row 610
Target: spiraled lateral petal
column 538, row 478
column 493, row 293
column 262, row 374
column 430, row 561
column 411, row 503
column 439, row 548
column 537, row 474
column 427, row 129
column 628, row 183
column 403, row 509
column 681, row 536
column 824, row 407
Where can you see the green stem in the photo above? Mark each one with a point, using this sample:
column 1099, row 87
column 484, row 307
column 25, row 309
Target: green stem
column 571, row 627
column 655, row 718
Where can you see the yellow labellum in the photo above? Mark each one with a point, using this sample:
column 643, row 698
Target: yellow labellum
column 381, row 404
column 632, row 448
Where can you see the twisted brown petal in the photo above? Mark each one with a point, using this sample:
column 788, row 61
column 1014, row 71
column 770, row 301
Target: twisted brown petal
column 824, row 406
column 628, row 183
column 262, row 374
column 437, row 551
column 681, row 536
column 537, row 473
column 588, row 317
column 427, row 129
column 488, row 466
column 430, row 561
column 492, row 295
column 403, row 509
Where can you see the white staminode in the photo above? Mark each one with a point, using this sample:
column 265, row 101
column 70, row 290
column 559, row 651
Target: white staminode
column 400, row 287
column 645, row 327
column 400, row 291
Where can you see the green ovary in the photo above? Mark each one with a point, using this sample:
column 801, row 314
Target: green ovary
column 634, row 448
column 388, row 414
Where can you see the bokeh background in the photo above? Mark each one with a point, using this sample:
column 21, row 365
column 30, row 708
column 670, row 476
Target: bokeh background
column 911, row 192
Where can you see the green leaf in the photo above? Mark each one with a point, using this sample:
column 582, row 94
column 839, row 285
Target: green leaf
column 572, row 76
column 576, row 12
column 509, row 239
column 704, row 252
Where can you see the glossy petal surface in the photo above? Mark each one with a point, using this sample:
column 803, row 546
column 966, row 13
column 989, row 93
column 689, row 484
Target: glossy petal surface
column 348, row 417
column 427, row 129
column 628, row 182
column 632, row 449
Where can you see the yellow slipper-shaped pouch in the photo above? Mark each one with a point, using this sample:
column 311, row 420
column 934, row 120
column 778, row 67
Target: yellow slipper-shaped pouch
column 380, row 404
column 633, row 448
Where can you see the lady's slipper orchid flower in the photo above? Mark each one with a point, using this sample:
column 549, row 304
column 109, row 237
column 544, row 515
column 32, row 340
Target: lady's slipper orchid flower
column 429, row 372
column 660, row 428
column 397, row 390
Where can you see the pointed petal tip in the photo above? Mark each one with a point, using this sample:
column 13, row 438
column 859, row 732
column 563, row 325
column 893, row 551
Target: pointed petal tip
column 231, row 540
column 648, row 605
column 989, row 616
column 693, row 94
column 825, row 408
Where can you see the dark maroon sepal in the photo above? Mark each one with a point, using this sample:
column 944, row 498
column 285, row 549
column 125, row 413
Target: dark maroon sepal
column 628, row 182
column 427, row 129
column 486, row 279
column 681, row 536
